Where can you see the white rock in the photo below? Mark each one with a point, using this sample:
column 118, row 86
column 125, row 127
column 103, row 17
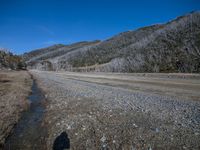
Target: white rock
column 83, row 128
column 134, row 125
column 157, row 130
column 150, row 148
column 68, row 127
column 58, row 124
column 196, row 133
column 103, row 139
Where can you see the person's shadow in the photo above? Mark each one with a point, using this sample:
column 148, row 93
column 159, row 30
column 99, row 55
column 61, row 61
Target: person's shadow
column 62, row 142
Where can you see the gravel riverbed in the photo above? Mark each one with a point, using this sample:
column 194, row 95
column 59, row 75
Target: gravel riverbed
column 98, row 115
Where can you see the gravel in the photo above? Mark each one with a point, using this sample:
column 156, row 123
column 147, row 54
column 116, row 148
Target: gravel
column 100, row 116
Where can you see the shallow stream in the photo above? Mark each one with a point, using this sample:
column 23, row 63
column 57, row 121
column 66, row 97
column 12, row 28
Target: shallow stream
column 29, row 134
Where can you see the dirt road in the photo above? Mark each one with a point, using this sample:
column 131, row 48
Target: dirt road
column 122, row 111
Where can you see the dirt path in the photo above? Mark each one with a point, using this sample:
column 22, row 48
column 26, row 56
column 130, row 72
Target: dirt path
column 122, row 111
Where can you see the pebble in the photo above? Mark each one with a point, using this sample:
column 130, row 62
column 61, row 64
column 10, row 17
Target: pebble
column 58, row 124
column 150, row 148
column 68, row 127
column 157, row 130
column 134, row 125
column 103, row 139
column 83, row 128
column 196, row 133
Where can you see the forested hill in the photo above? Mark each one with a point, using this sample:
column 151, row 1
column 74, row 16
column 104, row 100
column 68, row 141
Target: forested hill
column 170, row 47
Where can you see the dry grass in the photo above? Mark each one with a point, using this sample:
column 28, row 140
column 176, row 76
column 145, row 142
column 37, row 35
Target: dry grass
column 14, row 89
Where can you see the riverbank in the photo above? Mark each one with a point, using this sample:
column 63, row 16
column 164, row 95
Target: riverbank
column 99, row 111
column 30, row 131
column 15, row 87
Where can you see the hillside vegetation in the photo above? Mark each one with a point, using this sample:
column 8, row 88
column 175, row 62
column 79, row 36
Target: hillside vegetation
column 170, row 47
column 10, row 61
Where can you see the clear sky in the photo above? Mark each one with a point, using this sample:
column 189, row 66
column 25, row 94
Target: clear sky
column 29, row 24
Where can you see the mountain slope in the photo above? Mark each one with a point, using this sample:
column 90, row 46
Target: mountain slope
column 170, row 47
column 42, row 58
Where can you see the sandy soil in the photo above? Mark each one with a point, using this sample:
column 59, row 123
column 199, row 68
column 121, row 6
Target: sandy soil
column 122, row 111
column 15, row 86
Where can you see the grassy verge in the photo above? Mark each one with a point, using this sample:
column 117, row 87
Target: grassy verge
column 15, row 87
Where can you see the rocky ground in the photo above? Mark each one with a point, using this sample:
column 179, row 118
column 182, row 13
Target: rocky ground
column 116, row 111
column 15, row 86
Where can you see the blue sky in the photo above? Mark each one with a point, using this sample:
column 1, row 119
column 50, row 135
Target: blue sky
column 29, row 24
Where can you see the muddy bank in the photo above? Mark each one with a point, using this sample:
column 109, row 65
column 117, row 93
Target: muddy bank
column 15, row 86
column 29, row 132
